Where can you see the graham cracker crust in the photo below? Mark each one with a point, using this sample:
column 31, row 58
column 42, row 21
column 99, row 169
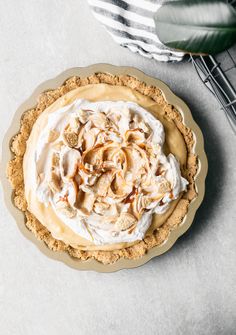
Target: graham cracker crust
column 18, row 147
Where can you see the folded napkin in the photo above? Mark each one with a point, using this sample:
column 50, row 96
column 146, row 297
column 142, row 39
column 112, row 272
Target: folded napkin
column 131, row 24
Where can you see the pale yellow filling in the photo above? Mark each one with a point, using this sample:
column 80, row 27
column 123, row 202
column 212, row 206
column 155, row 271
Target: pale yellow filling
column 99, row 92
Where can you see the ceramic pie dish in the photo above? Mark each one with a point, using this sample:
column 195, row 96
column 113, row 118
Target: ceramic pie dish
column 114, row 195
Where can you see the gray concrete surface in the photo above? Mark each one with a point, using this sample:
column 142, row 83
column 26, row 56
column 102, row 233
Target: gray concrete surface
column 189, row 290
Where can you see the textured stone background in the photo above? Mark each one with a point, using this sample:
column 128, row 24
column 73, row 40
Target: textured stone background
column 190, row 289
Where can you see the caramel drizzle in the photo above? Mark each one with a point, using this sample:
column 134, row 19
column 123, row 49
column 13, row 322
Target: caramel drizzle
column 130, row 197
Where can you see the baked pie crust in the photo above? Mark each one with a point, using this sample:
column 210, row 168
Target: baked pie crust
column 18, row 147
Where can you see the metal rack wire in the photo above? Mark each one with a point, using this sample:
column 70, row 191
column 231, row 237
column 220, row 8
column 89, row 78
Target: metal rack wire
column 219, row 76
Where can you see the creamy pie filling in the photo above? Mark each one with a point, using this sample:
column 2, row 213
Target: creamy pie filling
column 101, row 167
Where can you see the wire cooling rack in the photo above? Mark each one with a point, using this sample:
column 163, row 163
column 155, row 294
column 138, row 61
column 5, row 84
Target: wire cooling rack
column 219, row 76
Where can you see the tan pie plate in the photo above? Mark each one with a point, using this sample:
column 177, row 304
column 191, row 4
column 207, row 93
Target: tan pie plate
column 198, row 149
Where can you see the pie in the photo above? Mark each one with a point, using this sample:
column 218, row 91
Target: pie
column 103, row 168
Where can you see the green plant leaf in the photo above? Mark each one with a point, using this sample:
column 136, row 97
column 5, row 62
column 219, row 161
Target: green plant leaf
column 196, row 26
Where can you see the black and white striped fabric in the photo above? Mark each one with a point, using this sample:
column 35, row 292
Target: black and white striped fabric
column 131, row 24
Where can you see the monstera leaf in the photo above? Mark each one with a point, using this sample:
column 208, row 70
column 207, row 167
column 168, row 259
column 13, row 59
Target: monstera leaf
column 196, row 26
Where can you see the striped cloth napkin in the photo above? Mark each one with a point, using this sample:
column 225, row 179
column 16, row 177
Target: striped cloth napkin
column 131, row 24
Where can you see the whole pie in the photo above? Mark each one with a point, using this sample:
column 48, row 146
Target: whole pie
column 103, row 168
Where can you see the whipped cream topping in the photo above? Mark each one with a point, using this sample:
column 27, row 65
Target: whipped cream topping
column 102, row 168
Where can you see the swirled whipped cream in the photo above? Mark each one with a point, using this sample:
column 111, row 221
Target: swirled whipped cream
column 101, row 167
